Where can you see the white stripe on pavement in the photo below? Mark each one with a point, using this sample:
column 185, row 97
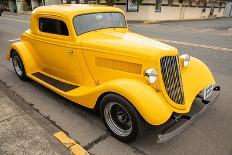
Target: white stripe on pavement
column 195, row 45
column 12, row 40
column 23, row 21
column 230, row 29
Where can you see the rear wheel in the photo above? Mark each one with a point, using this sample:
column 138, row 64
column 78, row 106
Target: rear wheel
column 18, row 66
column 121, row 118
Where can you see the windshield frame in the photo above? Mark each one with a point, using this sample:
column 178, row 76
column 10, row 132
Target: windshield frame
column 126, row 26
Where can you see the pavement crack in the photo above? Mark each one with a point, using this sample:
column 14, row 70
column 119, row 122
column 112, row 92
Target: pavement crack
column 83, row 115
column 29, row 109
column 69, row 145
column 9, row 118
column 138, row 151
column 97, row 140
column 72, row 106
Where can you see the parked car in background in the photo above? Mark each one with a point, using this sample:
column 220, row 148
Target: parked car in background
column 87, row 54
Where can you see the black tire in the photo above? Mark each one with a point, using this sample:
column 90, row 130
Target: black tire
column 15, row 57
column 129, row 133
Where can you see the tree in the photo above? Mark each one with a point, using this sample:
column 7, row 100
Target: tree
column 137, row 1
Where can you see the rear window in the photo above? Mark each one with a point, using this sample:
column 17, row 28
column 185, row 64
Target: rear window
column 53, row 26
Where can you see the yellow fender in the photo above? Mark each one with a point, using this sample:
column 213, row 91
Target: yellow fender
column 195, row 78
column 26, row 53
column 149, row 103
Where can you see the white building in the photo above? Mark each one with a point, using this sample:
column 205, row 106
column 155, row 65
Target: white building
column 155, row 10
column 25, row 6
column 149, row 10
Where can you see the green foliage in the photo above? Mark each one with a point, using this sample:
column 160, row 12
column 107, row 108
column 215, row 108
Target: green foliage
column 137, row 1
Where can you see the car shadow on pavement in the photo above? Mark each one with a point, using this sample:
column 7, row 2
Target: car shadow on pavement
column 151, row 132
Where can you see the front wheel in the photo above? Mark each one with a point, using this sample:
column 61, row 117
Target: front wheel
column 121, row 118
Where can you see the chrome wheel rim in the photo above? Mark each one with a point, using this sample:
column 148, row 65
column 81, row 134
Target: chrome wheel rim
column 18, row 65
column 118, row 119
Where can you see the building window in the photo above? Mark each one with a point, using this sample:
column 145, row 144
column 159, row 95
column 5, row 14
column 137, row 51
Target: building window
column 158, row 5
column 170, row 2
column 132, row 6
column 197, row 3
column 92, row 1
column 53, row 26
column 190, row 3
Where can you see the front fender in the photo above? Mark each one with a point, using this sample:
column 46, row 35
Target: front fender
column 195, row 78
column 149, row 103
column 27, row 55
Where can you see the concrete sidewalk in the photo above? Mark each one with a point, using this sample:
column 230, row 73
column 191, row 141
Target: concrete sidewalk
column 21, row 132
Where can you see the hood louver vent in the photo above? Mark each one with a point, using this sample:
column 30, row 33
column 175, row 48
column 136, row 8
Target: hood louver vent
column 118, row 65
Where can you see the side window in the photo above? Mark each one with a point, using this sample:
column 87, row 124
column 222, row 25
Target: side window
column 54, row 26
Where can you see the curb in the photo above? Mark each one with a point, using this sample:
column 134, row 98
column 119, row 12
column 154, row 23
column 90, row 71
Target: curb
column 16, row 14
column 45, row 123
column 164, row 21
column 75, row 148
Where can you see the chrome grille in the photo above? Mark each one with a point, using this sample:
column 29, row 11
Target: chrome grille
column 172, row 79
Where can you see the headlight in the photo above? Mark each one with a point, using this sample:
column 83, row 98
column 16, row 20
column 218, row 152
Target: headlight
column 151, row 74
column 184, row 60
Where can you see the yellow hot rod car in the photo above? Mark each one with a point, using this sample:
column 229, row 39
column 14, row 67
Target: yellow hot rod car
column 87, row 54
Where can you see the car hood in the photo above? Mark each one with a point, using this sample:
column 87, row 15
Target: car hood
column 126, row 43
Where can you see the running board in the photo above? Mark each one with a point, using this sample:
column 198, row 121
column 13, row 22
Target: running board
column 65, row 87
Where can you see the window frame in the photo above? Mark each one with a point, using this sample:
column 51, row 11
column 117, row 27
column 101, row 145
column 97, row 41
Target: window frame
column 76, row 31
column 53, row 35
column 158, row 9
column 55, row 21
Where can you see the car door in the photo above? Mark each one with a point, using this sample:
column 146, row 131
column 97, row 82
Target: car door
column 57, row 51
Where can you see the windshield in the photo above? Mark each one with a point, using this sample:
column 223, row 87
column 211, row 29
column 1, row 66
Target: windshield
column 96, row 21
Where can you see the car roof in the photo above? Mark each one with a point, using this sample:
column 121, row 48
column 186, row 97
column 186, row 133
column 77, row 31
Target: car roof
column 74, row 9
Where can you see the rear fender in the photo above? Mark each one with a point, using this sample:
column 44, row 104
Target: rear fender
column 27, row 54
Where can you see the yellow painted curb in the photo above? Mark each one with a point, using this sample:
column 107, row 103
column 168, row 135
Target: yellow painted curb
column 75, row 148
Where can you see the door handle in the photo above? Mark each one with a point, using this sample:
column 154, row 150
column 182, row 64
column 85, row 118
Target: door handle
column 70, row 51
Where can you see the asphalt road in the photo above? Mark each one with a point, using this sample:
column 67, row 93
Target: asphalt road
column 210, row 41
